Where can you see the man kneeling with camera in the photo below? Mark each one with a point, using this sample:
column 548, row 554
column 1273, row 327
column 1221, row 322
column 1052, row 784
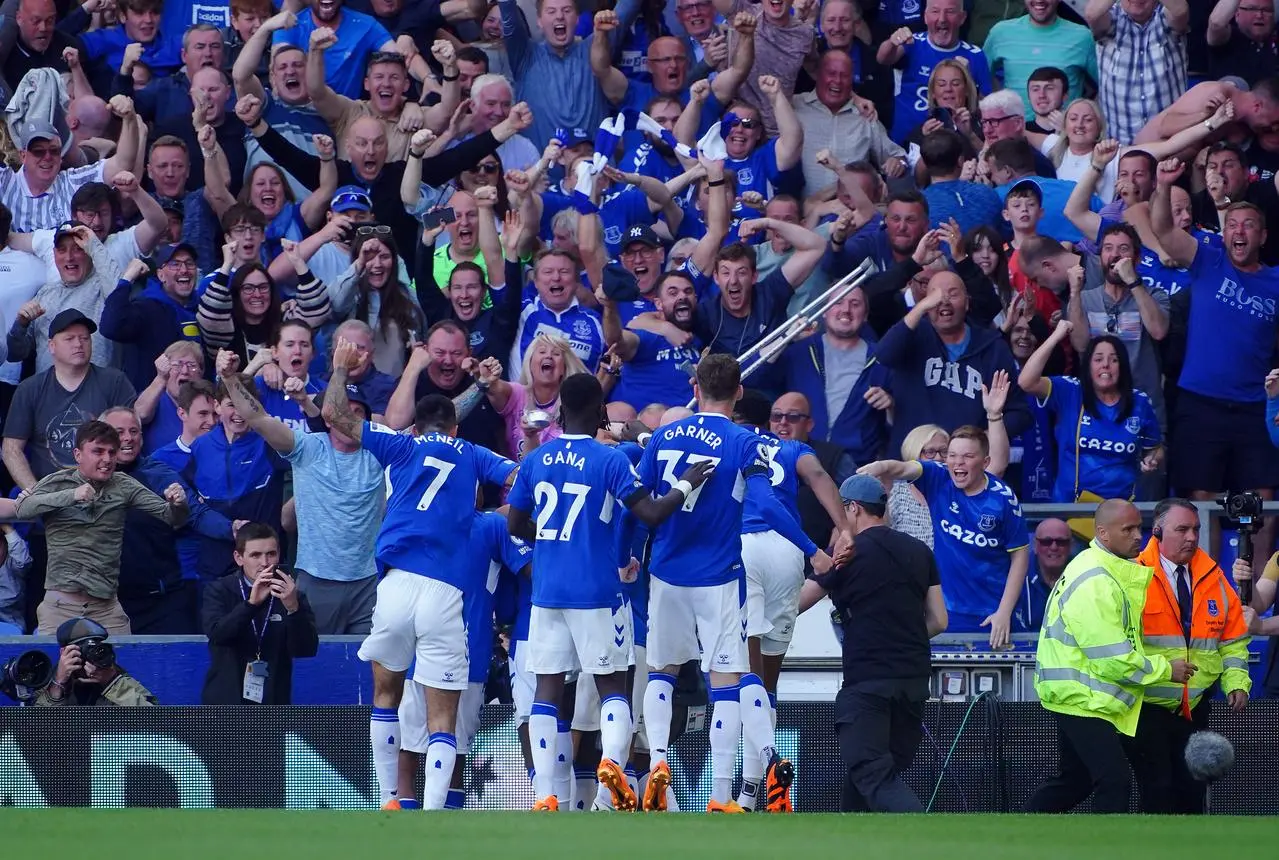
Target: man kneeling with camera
column 88, row 673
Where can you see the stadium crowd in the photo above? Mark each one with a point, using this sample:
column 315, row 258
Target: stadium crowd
column 1068, row 293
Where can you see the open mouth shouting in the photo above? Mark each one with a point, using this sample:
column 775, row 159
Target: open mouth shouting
column 292, row 83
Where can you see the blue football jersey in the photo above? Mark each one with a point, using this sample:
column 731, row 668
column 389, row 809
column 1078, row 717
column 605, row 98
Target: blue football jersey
column 916, row 67
column 492, row 548
column 432, row 482
column 1099, row 454
column 783, row 466
column 572, row 486
column 701, row 543
column 972, row 537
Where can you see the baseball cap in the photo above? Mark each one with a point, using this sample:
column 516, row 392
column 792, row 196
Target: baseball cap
column 78, row 630
column 351, row 198
column 1028, row 185
column 864, row 489
column 165, row 253
column 571, row 137
column 66, row 228
column 68, row 318
column 171, row 204
column 36, row 129
column 643, row 234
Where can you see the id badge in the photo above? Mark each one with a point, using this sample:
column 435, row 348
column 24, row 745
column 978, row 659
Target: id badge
column 255, row 674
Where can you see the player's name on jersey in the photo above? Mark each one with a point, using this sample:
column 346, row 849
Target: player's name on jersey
column 702, row 434
column 565, row 458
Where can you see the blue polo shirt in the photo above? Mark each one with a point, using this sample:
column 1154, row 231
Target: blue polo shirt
column 358, row 36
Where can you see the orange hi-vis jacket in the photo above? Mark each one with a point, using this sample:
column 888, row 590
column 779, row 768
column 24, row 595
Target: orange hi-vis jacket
column 1218, row 645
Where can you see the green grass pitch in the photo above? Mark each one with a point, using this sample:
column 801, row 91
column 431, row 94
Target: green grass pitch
column 139, row 834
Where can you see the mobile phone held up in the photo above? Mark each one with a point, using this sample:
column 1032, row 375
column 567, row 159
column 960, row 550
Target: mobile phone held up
column 438, row 217
column 944, row 116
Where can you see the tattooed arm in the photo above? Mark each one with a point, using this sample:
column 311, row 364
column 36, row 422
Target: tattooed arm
column 337, row 407
column 242, row 391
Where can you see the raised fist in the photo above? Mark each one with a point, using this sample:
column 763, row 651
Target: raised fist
column 323, row 38
column 606, row 21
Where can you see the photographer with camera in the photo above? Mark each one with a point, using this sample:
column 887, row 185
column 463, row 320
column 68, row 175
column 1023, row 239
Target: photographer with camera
column 1191, row 614
column 88, row 673
column 257, row 622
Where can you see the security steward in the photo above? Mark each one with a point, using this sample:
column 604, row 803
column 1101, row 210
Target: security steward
column 1191, row 613
column 1091, row 669
column 88, row 673
column 890, row 603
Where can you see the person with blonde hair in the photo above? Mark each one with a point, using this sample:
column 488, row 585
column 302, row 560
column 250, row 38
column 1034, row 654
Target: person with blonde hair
column 548, row 361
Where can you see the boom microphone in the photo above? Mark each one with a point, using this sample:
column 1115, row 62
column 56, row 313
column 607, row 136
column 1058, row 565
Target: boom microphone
column 1209, row 756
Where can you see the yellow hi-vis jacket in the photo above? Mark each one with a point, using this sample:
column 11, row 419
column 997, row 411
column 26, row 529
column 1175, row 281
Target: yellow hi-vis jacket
column 1090, row 661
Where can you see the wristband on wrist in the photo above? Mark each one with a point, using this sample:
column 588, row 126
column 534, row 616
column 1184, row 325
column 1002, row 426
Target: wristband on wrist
column 714, row 183
column 448, row 78
column 684, row 487
column 999, row 417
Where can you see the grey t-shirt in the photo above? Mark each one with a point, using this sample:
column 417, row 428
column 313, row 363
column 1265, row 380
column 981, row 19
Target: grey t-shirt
column 843, row 368
column 1123, row 320
column 47, row 415
column 339, row 499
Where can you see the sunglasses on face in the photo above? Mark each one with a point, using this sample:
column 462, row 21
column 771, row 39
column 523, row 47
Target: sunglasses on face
column 748, row 122
column 486, row 169
column 788, row 417
column 1052, row 541
column 373, row 230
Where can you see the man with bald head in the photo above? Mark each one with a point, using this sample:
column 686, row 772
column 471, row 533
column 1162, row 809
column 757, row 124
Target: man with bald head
column 1092, row 669
column 791, row 418
column 1050, row 552
column 942, row 365
column 212, row 91
column 38, row 45
column 668, row 66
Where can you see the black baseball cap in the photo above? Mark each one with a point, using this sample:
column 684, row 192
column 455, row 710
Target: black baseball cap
column 69, row 317
column 643, row 234
column 165, row 253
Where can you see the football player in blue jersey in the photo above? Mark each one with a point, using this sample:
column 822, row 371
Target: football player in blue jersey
column 774, row 576
column 492, row 551
column 696, row 604
column 432, row 482
column 565, row 501
column 979, row 536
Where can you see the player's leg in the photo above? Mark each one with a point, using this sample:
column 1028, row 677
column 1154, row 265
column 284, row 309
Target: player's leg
column 442, row 668
column 389, row 648
column 550, row 656
column 721, row 626
column 585, row 724
column 672, row 641
column 468, row 723
column 523, row 687
column 603, row 639
column 756, row 737
column 413, row 738
column 783, row 579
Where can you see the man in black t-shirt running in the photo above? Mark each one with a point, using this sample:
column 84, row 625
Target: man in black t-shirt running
column 890, row 604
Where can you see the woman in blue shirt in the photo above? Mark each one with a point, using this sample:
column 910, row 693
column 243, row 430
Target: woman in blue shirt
column 1106, row 430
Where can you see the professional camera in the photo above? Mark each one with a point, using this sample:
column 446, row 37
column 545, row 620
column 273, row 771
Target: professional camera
column 1246, row 509
column 97, row 652
column 24, row 676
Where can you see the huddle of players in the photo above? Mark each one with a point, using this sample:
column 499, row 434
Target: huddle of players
column 697, row 485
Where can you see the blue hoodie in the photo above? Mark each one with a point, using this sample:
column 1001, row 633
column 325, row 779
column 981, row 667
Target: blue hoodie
column 146, row 323
column 860, row 429
column 150, row 560
column 242, row 480
column 931, row 387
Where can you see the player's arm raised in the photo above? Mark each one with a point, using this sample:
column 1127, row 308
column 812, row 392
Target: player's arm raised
column 652, row 512
column 337, row 408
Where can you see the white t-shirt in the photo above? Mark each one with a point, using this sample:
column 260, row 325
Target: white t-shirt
column 1073, row 167
column 21, row 277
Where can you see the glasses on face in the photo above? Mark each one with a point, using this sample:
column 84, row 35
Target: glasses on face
column 46, row 152
column 255, row 288
column 993, row 121
column 748, row 122
column 788, row 417
column 181, row 264
column 242, row 230
column 486, row 169
column 1053, row 541
column 932, row 453
column 185, row 365
column 373, row 230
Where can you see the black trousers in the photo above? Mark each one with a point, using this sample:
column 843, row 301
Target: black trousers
column 172, row 613
column 1159, row 760
column 1093, row 760
column 880, row 726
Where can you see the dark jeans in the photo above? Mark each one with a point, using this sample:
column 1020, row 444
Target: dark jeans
column 1159, row 760
column 880, row 725
column 171, row 613
column 1093, row 760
